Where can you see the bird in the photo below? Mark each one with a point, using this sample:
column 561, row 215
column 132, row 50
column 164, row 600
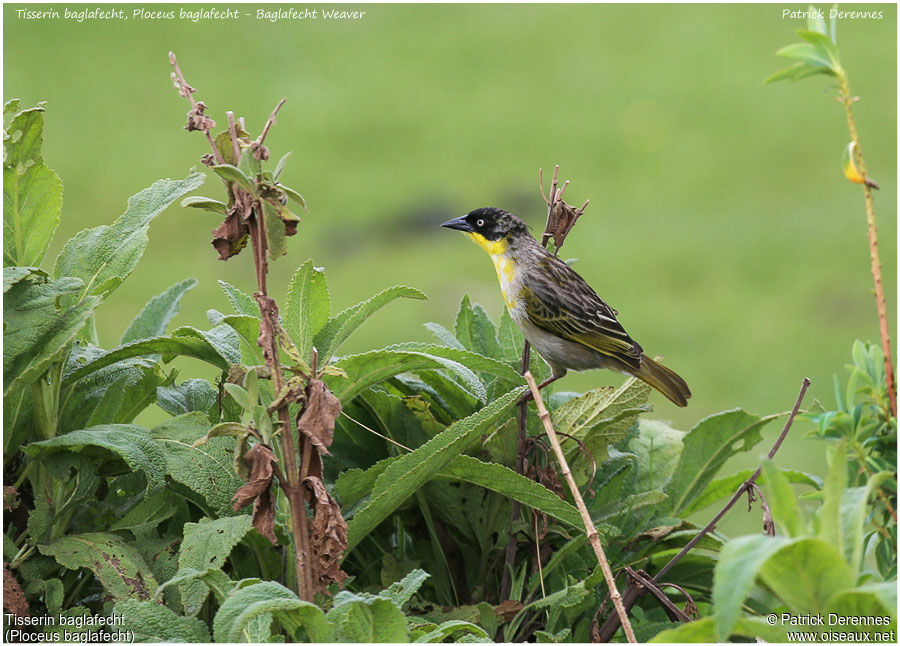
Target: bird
column 559, row 314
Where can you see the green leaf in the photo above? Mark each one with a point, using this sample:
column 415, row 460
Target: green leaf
column 222, row 338
column 807, row 54
column 370, row 368
column 507, row 482
column 829, row 525
column 605, row 413
column 36, row 330
column 450, row 629
column 785, row 510
column 805, row 573
column 472, row 360
column 854, row 511
column 104, row 256
column 32, row 193
column 188, row 396
column 307, row 307
column 146, row 516
column 408, row 473
column 279, row 167
column 476, row 331
column 276, row 236
column 823, row 45
column 725, row 487
column 151, row 622
column 295, row 196
column 205, row 203
column 869, row 600
column 377, row 621
column 400, row 592
column 797, row 72
column 658, row 448
column 242, row 302
column 157, row 313
column 342, row 325
column 706, row 448
column 739, row 563
column 206, row 470
column 233, row 174
column 169, row 346
column 353, row 485
column 444, row 335
column 117, row 565
column 129, row 442
column 207, row 544
column 247, row 603
column 702, row 630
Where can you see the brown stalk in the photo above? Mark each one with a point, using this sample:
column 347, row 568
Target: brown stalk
column 847, row 100
column 187, row 91
column 633, row 593
column 592, row 534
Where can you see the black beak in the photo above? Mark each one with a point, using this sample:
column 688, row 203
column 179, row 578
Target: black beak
column 459, row 224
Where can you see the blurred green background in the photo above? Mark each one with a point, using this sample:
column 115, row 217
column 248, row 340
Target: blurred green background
column 720, row 225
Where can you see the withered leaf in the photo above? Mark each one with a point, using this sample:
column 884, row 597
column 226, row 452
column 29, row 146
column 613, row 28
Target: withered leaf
column 14, row 600
column 508, row 609
column 562, row 219
column 197, row 120
column 231, row 236
column 258, row 490
column 316, row 421
column 329, row 536
column 10, row 498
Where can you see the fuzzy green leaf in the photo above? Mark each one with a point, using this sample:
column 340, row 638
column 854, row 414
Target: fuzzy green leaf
column 786, row 511
column 129, row 442
column 32, row 193
column 207, row 544
column 151, row 622
column 188, row 396
column 342, row 325
column 805, row 573
column 451, row 628
column 307, row 307
column 206, row 470
column 408, row 473
column 235, row 175
column 707, row 446
column 157, row 313
column 507, row 482
column 247, row 603
column 36, row 330
column 242, row 302
column 104, row 256
column 117, row 565
column 472, row 360
column 375, row 621
column 205, row 203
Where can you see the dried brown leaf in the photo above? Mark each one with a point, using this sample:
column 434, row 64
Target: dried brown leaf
column 258, row 490
column 14, row 600
column 10, row 498
column 231, row 236
column 329, row 536
column 508, row 609
column 197, row 120
column 316, row 421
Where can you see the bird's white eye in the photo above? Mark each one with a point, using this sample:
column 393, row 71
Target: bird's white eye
column 480, row 223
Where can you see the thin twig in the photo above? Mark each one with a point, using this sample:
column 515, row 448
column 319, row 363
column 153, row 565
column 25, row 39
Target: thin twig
column 672, row 610
column 188, row 91
column 592, row 534
column 537, row 544
column 384, row 437
column 632, row 594
column 269, row 122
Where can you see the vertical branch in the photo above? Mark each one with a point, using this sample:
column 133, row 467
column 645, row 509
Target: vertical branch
column 592, row 534
column 847, row 101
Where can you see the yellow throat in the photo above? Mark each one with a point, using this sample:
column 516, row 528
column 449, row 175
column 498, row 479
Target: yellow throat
column 505, row 266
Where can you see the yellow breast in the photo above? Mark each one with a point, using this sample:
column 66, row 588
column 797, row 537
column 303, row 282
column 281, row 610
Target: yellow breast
column 505, row 266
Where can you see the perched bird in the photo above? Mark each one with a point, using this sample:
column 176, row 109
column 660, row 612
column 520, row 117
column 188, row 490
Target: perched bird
column 558, row 312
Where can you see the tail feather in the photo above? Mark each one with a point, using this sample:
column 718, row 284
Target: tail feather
column 664, row 380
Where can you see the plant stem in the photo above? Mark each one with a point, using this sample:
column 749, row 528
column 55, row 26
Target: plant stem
column 269, row 336
column 592, row 534
column 847, row 100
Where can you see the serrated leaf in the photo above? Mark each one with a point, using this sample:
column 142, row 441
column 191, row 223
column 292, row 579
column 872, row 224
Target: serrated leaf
column 367, row 369
column 117, row 565
column 36, row 330
column 155, row 317
column 375, row 621
column 450, row 629
column 514, row 486
column 129, row 442
column 169, row 346
column 206, row 470
column 707, row 446
column 471, row 360
column 188, row 396
column 236, row 176
column 342, row 325
column 269, row 597
column 403, row 477
column 151, row 622
column 104, row 256
column 444, row 335
column 242, row 302
column 222, row 338
column 307, row 307
column 476, row 331
column 205, row 203
column 400, row 592
column 207, row 544
column 147, row 514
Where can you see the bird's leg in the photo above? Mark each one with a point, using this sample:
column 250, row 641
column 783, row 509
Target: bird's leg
column 528, row 396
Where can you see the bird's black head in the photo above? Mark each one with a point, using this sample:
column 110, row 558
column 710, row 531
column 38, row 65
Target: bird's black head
column 489, row 223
